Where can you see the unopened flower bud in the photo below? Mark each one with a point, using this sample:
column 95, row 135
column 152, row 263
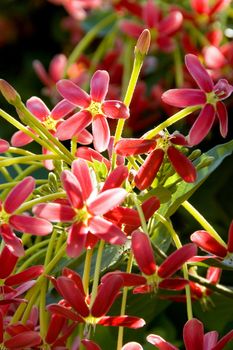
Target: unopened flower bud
column 10, row 94
column 195, row 154
column 143, row 43
column 206, row 161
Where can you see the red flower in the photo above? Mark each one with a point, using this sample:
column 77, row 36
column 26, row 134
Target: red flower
column 209, row 95
column 85, row 208
column 158, row 148
column 159, row 277
column 206, row 242
column 70, row 287
column 93, row 110
column 162, row 29
column 194, row 338
column 76, row 8
column 9, row 219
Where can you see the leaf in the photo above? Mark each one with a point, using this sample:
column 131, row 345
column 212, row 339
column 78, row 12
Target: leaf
column 185, row 190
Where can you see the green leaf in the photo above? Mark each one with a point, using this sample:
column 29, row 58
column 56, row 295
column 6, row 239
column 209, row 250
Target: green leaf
column 185, row 190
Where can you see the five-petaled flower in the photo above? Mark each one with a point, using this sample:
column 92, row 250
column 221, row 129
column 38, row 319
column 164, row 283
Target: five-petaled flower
column 209, row 96
column 88, row 311
column 9, row 219
column 194, row 338
column 94, row 109
column 162, row 145
column 85, row 207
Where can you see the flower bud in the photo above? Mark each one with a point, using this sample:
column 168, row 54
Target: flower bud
column 143, row 43
column 9, row 93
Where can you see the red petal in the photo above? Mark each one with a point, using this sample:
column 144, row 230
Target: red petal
column 131, row 147
column 90, row 345
column 202, row 125
column 130, row 28
column 115, row 109
column 90, row 154
column 99, row 85
column 7, row 263
column 73, row 125
column 19, row 194
column 129, row 279
column 171, row 23
column 175, row 261
column 160, row 343
column 57, row 67
column 38, row 108
column 184, row 97
column 61, row 109
column 81, row 171
column 20, row 139
column 4, row 146
column 222, row 117
column 34, row 226
column 143, row 252
column 13, row 243
column 230, row 238
column 122, row 321
column 149, row 169
column 106, row 201
column 107, row 293
column 71, row 293
column 182, row 165
column 206, row 242
column 201, row 7
column 72, row 188
column 213, row 274
column 124, row 215
column 213, row 57
column 193, row 334
column 222, row 342
column 84, row 137
column 23, row 340
column 63, row 311
column 173, row 283
column 101, row 133
column 74, row 276
column 116, row 178
column 55, row 326
column 30, row 273
column 210, row 340
column 106, row 230
column 54, row 212
column 199, row 73
column 149, row 206
column 132, row 346
column 73, row 93
column 151, row 14
column 76, row 239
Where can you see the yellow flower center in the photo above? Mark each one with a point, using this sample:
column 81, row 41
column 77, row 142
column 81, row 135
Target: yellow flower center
column 4, row 217
column 82, row 215
column 95, row 108
column 50, row 123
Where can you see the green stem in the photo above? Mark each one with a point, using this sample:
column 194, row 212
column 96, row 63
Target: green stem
column 26, row 159
column 178, row 245
column 140, row 213
column 86, row 271
column 97, row 272
column 218, row 288
column 31, row 261
column 203, row 222
column 21, row 151
column 173, row 119
column 123, row 303
column 6, row 174
column 88, row 38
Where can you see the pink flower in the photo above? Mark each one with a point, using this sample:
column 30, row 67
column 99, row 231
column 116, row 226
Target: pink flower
column 85, row 208
column 4, row 146
column 206, row 242
column 69, row 285
column 94, row 109
column 194, row 338
column 9, row 219
column 76, row 8
column 209, row 8
column 210, row 96
column 158, row 148
column 159, row 277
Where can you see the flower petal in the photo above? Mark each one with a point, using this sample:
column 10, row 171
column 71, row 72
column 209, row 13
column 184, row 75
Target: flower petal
column 199, row 73
column 76, row 239
column 115, row 109
column 19, row 194
column 222, row 342
column 129, row 279
column 30, row 273
column 116, row 178
column 13, row 243
column 84, row 137
column 28, row 224
column 222, row 117
column 160, row 343
column 63, row 311
column 61, row 109
column 90, row 155
column 81, row 171
column 106, row 295
column 206, row 242
column 173, row 283
column 184, row 97
column 90, row 345
column 202, row 125
column 72, row 188
column 149, row 169
column 143, row 252
column 106, row 230
column 182, row 165
column 24, row 340
column 101, row 133
column 4, row 146
column 175, row 261
column 193, row 334
column 230, row 238
column 75, row 277
column 132, row 29
column 132, row 346
column 19, row 139
column 73, row 93
column 131, row 147
column 122, row 321
column 73, row 125
column 7, row 262
column 38, row 108
column 213, row 57
column 171, row 23
column 72, row 294
column 99, row 85
column 106, row 201
column 210, row 340
column 54, row 212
